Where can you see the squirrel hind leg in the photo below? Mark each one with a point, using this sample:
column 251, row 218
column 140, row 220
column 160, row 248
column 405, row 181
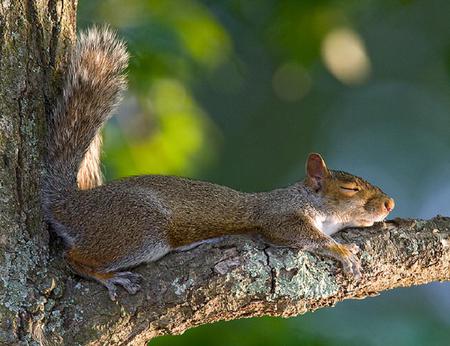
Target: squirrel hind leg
column 82, row 266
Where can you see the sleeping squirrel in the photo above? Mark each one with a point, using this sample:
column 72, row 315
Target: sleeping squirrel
column 108, row 228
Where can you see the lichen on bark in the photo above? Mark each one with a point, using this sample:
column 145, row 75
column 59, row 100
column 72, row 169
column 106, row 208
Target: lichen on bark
column 28, row 72
column 240, row 277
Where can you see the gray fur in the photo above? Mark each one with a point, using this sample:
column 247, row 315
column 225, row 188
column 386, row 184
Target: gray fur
column 140, row 219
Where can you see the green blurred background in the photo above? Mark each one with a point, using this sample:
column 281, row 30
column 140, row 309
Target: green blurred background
column 238, row 92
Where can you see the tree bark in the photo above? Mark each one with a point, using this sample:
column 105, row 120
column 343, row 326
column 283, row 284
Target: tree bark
column 40, row 300
column 239, row 277
column 34, row 38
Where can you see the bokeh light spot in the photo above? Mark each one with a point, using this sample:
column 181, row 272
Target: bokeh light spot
column 345, row 56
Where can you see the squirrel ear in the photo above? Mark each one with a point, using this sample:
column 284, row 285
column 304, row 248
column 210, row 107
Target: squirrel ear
column 317, row 170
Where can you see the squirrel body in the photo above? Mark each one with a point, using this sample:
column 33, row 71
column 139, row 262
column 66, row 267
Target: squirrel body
column 110, row 227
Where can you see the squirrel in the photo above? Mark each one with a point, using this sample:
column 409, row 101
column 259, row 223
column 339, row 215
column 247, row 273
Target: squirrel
column 121, row 224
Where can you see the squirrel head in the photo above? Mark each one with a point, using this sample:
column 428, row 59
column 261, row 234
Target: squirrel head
column 348, row 200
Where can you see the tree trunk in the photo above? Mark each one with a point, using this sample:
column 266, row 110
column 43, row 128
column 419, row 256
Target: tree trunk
column 34, row 39
column 40, row 300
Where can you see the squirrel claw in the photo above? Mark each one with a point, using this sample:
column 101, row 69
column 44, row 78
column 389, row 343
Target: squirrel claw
column 112, row 289
column 128, row 280
column 352, row 267
column 356, row 268
column 350, row 262
column 354, row 249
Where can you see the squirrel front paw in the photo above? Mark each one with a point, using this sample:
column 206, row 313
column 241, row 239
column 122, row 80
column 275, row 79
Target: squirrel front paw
column 346, row 254
column 352, row 266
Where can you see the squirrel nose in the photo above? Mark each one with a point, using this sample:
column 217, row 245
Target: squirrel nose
column 389, row 204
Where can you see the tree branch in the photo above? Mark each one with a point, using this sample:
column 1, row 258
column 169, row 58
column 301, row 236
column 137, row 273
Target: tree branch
column 239, row 278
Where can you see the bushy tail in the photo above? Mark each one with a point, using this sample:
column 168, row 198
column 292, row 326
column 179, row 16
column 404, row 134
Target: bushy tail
column 94, row 84
column 90, row 171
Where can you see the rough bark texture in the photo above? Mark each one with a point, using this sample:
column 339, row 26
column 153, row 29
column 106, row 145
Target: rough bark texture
column 239, row 278
column 41, row 300
column 34, row 37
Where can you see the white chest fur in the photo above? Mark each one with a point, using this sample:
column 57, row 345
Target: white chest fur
column 328, row 225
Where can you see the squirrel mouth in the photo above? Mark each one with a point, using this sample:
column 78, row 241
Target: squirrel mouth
column 366, row 223
column 381, row 217
column 371, row 222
